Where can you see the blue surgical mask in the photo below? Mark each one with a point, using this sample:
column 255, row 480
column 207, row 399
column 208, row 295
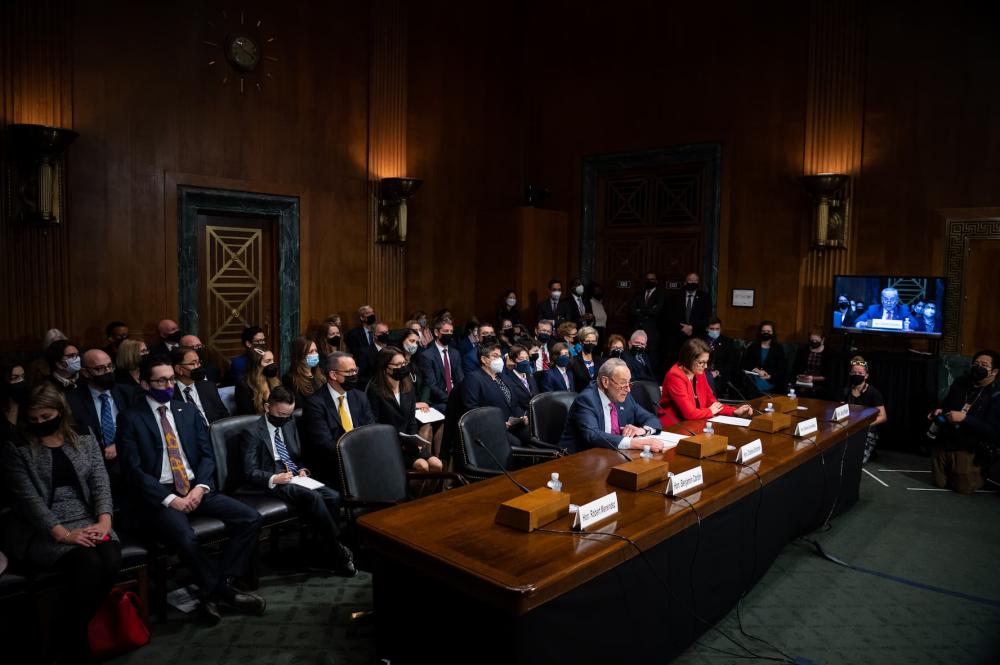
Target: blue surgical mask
column 312, row 359
column 524, row 366
column 714, row 334
column 73, row 365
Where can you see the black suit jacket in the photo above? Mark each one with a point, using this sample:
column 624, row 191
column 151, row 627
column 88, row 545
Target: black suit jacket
column 639, row 371
column 579, row 369
column 675, row 312
column 85, row 413
column 141, row 450
column 402, row 416
column 575, row 314
column 321, row 427
column 563, row 311
column 724, row 358
column 646, row 315
column 520, row 395
column 211, row 402
column 479, row 389
column 159, row 349
column 258, row 462
column 357, row 341
column 432, row 366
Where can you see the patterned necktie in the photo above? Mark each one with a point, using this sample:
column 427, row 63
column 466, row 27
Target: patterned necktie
column 345, row 419
column 189, row 398
column 107, row 421
column 503, row 388
column 447, row 371
column 545, row 357
column 279, row 445
column 615, row 428
column 687, row 309
column 181, row 482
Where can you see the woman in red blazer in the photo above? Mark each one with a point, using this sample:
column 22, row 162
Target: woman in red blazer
column 686, row 395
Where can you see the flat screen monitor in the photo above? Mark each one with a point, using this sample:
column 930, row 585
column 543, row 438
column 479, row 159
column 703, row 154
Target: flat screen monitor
column 888, row 305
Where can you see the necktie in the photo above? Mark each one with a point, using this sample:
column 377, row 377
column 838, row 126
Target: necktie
column 447, row 371
column 279, row 445
column 524, row 380
column 345, row 420
column 503, row 388
column 687, row 309
column 545, row 358
column 642, row 359
column 107, row 421
column 368, row 336
column 565, row 376
column 648, row 294
column 189, row 398
column 181, row 482
column 615, row 427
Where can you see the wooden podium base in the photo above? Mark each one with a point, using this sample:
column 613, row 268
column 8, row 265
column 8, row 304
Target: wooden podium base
column 771, row 422
column 532, row 510
column 784, row 404
column 638, row 474
column 702, row 445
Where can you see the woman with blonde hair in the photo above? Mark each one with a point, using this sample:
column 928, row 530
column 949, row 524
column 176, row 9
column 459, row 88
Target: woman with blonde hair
column 255, row 387
column 130, row 354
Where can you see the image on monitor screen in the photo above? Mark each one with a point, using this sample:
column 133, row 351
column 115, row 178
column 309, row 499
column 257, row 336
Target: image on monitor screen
column 891, row 305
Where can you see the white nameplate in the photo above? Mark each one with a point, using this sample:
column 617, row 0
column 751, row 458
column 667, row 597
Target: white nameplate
column 595, row 511
column 888, row 324
column 679, row 483
column 730, row 420
column 841, row 412
column 806, row 427
column 750, row 451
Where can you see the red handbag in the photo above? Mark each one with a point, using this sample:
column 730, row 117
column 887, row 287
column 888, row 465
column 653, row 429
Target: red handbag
column 117, row 627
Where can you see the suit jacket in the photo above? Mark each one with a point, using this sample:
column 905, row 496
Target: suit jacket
column 470, row 360
column 478, row 389
column 875, row 312
column 579, row 369
column 639, row 371
column 141, row 450
column 586, row 418
column 211, row 402
column 321, row 422
column 85, row 413
column 675, row 311
column 357, row 341
column 677, row 398
column 258, row 462
column 432, row 367
column 159, row 349
column 402, row 415
column 563, row 311
column 552, row 381
column 518, row 392
column 575, row 315
column 646, row 315
column 724, row 358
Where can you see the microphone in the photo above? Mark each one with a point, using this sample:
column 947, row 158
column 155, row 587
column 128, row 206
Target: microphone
column 743, row 397
column 617, row 450
column 497, row 462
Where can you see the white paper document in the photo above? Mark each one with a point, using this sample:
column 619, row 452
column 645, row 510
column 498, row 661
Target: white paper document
column 668, row 439
column 730, row 420
column 307, row 482
column 431, row 415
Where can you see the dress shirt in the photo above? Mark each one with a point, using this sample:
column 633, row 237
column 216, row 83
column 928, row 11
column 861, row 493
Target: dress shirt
column 166, row 475
column 95, row 395
column 271, row 429
column 565, row 378
column 195, row 397
column 626, row 441
column 336, row 403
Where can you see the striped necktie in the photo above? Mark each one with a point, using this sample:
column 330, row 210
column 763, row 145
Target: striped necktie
column 107, row 421
column 279, row 446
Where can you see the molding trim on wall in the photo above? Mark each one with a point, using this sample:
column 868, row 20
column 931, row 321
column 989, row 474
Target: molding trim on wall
column 961, row 226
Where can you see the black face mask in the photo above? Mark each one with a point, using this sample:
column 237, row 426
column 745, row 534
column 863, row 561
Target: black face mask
column 978, row 373
column 370, row 319
column 400, row 373
column 651, row 283
column 589, row 348
column 487, row 340
column 446, row 339
column 813, row 344
column 856, row 379
column 533, row 358
column 638, row 350
column 334, row 341
column 198, row 374
column 349, row 382
column 104, row 381
column 174, row 337
column 691, row 288
column 544, row 337
column 270, row 371
column 18, row 392
column 616, row 352
column 45, row 428
column 382, row 338
column 843, row 306
column 278, row 421
column 765, row 336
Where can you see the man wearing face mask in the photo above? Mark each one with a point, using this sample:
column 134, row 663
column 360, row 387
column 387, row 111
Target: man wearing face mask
column 964, row 430
column 97, row 400
column 636, row 358
column 487, row 336
column 116, row 333
column 441, row 365
column 194, row 343
column 556, row 307
column 581, row 312
column 485, row 386
column 543, row 333
column 193, row 386
column 889, row 309
column 272, row 459
column 63, row 358
column 170, row 338
column 362, row 338
column 368, row 357
column 843, row 315
column 645, row 311
column 685, row 316
column 724, row 356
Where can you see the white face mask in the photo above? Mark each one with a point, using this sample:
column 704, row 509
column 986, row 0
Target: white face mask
column 556, row 294
column 410, row 348
column 496, row 365
column 578, row 290
column 511, row 302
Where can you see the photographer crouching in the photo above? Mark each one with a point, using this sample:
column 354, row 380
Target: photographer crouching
column 965, row 430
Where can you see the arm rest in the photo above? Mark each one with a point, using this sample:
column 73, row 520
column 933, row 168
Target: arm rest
column 544, row 445
column 361, row 502
column 521, row 451
column 436, row 475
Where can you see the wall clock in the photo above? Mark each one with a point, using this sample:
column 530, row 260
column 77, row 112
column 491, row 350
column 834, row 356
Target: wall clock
column 241, row 50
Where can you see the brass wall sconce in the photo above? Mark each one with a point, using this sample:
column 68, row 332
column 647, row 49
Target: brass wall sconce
column 831, row 197
column 36, row 173
column 393, row 194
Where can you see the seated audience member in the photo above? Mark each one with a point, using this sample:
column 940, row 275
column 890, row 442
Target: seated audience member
column 966, row 426
column 843, row 315
column 167, row 460
column 889, row 308
column 116, row 332
column 813, row 365
column 366, row 360
column 252, row 390
column 130, row 355
column 332, row 412
column 13, row 394
column 584, row 364
column 485, row 336
column 361, row 338
column 469, row 338
column 393, row 402
column 859, row 391
column 506, row 338
column 558, row 377
column 62, row 516
column 64, row 362
column 421, row 390
column 194, row 387
column 638, row 361
column 928, row 320
column 567, row 332
column 543, row 333
column 485, row 387
column 604, row 415
column 616, row 349
column 686, row 395
column 253, row 338
column 97, row 400
column 766, row 359
column 169, row 338
column 722, row 363
column 304, row 377
column 209, row 358
column 272, row 458
column 38, row 368
column 508, row 308
column 441, row 365
column 520, row 377
column 426, row 337
column 328, row 339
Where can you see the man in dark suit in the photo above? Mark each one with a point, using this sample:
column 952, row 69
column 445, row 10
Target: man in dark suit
column 888, row 309
column 684, row 316
column 604, row 415
column 366, row 361
column 167, row 460
column 645, row 310
column 332, row 411
column 441, row 365
column 116, row 332
column 194, row 343
column 637, row 359
column 194, row 388
column 555, row 308
column 170, row 338
column 520, row 376
column 97, row 400
column 722, row 365
column 272, row 459
column 485, row 387
column 581, row 312
column 361, row 338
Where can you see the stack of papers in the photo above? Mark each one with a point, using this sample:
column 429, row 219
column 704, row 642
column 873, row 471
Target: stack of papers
column 431, row 415
column 730, row 420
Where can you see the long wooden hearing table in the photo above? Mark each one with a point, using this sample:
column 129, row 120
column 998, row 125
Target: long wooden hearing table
column 450, row 585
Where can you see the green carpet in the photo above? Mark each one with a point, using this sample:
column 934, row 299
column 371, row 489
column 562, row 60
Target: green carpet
column 809, row 607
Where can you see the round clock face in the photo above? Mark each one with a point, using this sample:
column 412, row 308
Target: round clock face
column 242, row 52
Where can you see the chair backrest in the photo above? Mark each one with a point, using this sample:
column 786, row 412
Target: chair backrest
column 485, row 425
column 228, row 396
column 647, row 394
column 371, row 464
column 547, row 415
column 227, row 438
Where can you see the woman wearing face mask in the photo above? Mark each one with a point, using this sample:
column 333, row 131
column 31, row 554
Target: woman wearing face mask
column 130, row 354
column 584, row 364
column 616, row 349
column 567, row 333
column 253, row 389
column 393, row 400
column 425, row 337
column 766, row 359
column 520, row 376
column 812, row 366
column 859, row 391
column 62, row 517
column 328, row 339
column 421, row 390
column 13, row 393
column 508, row 308
column 558, row 376
column 304, row 377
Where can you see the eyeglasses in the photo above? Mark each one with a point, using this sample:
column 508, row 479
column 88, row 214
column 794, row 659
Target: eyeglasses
column 626, row 386
column 163, row 381
column 102, row 369
column 859, row 362
column 351, row 372
column 701, row 363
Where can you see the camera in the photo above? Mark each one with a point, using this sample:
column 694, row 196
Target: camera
column 936, row 423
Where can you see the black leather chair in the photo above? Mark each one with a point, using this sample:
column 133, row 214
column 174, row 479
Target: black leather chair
column 485, row 427
column 547, row 417
column 647, row 394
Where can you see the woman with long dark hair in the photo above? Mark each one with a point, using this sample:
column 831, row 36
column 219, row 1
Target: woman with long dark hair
column 253, row 389
column 304, row 377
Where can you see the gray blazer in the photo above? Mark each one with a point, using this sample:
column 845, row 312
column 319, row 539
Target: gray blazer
column 28, row 471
